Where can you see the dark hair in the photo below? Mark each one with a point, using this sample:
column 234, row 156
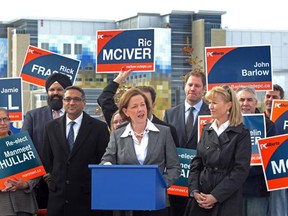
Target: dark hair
column 277, row 87
column 76, row 88
column 126, row 97
column 5, row 111
column 148, row 89
column 197, row 73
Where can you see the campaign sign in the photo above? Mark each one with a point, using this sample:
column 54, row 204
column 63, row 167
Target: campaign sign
column 256, row 125
column 19, row 158
column 202, row 121
column 132, row 49
column 11, row 97
column 279, row 115
column 39, row 64
column 180, row 188
column 274, row 156
column 239, row 66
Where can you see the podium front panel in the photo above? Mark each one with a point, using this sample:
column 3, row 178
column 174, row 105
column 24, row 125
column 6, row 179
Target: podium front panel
column 127, row 187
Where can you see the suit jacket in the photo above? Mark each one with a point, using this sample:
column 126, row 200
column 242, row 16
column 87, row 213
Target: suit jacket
column 34, row 123
column 161, row 151
column 156, row 120
column 21, row 200
column 70, row 185
column 176, row 117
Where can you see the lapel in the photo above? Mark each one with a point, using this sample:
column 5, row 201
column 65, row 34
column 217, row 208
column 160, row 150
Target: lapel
column 60, row 132
column 213, row 137
column 152, row 144
column 182, row 124
column 47, row 113
column 128, row 145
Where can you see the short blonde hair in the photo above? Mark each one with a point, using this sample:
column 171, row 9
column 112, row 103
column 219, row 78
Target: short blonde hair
column 235, row 115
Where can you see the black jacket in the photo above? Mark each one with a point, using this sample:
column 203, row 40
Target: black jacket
column 220, row 168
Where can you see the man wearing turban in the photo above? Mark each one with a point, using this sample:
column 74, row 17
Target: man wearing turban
column 36, row 119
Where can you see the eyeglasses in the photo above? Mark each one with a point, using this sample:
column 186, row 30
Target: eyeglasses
column 76, row 99
column 119, row 121
column 5, row 119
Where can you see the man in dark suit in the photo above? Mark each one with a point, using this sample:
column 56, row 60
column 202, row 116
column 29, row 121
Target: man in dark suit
column 195, row 87
column 69, row 179
column 108, row 105
column 36, row 119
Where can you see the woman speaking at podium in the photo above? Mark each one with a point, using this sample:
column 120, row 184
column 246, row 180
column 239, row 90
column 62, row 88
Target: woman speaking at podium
column 141, row 142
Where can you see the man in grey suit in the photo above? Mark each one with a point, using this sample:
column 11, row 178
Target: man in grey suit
column 195, row 87
column 67, row 162
column 36, row 119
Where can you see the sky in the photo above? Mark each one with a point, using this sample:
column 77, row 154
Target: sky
column 244, row 14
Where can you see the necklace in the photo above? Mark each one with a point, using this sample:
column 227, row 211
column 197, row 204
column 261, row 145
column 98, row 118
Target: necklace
column 140, row 135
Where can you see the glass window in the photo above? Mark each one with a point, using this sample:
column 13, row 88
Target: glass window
column 45, row 46
column 78, row 49
column 66, row 49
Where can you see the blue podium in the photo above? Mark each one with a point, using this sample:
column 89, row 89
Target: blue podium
column 127, row 187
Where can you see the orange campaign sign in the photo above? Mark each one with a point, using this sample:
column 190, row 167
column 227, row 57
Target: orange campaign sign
column 273, row 151
column 279, row 115
column 202, row 121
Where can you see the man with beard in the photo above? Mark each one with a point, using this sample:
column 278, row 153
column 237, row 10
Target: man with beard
column 36, row 119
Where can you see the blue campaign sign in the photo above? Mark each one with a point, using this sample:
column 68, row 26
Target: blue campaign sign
column 132, row 49
column 11, row 97
column 257, row 126
column 239, row 66
column 39, row 64
column 180, row 188
column 19, row 158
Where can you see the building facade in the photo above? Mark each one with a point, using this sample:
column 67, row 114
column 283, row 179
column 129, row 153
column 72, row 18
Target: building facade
column 77, row 39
